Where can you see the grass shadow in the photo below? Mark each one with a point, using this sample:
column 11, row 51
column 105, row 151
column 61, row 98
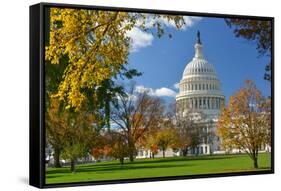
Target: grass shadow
column 112, row 166
column 129, row 167
column 108, row 169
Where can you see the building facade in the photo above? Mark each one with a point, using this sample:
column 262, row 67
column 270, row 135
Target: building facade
column 200, row 94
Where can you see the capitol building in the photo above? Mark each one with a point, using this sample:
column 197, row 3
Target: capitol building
column 200, row 93
column 199, row 100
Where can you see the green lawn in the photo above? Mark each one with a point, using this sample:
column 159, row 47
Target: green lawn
column 144, row 168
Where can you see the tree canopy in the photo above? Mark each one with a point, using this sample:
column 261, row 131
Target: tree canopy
column 86, row 51
column 96, row 44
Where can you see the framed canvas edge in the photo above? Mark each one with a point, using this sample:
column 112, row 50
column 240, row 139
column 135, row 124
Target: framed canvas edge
column 35, row 96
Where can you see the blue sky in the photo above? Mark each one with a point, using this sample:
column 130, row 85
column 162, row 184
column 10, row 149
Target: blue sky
column 162, row 61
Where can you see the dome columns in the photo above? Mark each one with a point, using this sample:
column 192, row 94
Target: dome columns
column 201, row 102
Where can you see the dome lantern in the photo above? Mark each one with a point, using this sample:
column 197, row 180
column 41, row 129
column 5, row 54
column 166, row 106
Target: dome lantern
column 198, row 37
column 198, row 47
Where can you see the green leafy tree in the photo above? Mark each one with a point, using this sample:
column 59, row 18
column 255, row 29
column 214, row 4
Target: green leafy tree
column 79, row 136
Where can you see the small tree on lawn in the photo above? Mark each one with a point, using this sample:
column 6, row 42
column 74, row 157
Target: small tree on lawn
column 165, row 138
column 154, row 149
column 118, row 146
column 73, row 151
column 119, row 150
column 79, row 137
column 97, row 153
column 150, row 143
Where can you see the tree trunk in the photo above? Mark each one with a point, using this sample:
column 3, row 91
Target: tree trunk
column 131, row 152
column 255, row 159
column 107, row 112
column 72, row 165
column 131, row 157
column 57, row 158
column 121, row 161
column 163, row 153
column 131, row 149
column 153, row 155
column 184, row 152
column 211, row 152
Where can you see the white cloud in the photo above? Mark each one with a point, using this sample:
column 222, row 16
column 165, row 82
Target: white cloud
column 176, row 85
column 142, row 89
column 139, row 39
column 160, row 92
column 165, row 92
column 189, row 22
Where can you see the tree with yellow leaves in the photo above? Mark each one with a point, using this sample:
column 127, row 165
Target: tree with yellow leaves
column 166, row 137
column 245, row 123
column 96, row 45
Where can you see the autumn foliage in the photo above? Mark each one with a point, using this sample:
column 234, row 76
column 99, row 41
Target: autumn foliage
column 96, row 45
column 91, row 50
column 245, row 123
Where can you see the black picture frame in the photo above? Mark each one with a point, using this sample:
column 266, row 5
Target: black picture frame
column 37, row 99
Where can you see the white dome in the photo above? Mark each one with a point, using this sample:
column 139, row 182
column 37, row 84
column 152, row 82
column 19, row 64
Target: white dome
column 200, row 88
column 199, row 66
